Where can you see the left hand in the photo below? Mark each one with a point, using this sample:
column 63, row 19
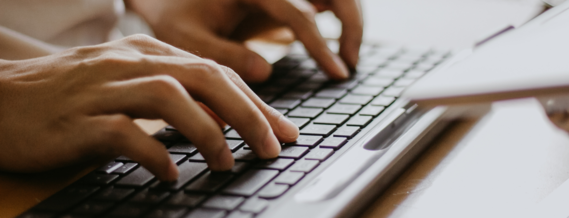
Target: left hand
column 203, row 26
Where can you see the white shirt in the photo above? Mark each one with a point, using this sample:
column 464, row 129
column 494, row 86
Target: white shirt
column 32, row 28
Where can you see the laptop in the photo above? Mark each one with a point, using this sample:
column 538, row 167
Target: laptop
column 356, row 137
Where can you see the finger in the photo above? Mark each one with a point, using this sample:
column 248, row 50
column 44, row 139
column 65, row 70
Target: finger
column 283, row 128
column 250, row 65
column 212, row 114
column 208, row 83
column 349, row 12
column 164, row 97
column 299, row 15
column 120, row 132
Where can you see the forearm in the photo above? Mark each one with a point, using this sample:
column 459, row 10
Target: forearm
column 17, row 46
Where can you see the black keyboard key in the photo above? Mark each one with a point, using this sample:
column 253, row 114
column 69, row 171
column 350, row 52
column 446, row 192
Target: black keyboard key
column 276, row 164
column 240, row 214
column 176, row 158
column 232, row 134
column 289, row 178
column 97, row 179
column 334, row 119
column 206, row 213
column 271, row 90
column 168, row 136
column 308, row 86
column 127, row 167
column 273, row 191
column 317, row 129
column 113, row 194
column 254, row 205
column 367, row 90
column 394, row 91
column 138, row 178
column 209, row 182
column 318, row 77
column 149, row 197
column 350, row 84
column 196, row 158
column 66, row 198
column 333, row 142
column 129, row 210
column 304, row 166
column 223, row 202
column 285, row 103
column 183, row 148
column 293, row 151
column 244, row 155
column 239, row 167
column 356, row 99
column 319, row 102
column 300, row 122
column 123, row 159
column 319, row 154
column 266, row 97
column 233, row 144
column 92, row 208
column 378, row 82
column 331, row 93
column 382, row 100
column 371, row 110
column 344, row 108
column 346, row 131
column 250, row 182
column 186, row 199
column 359, row 121
column 298, row 94
column 188, row 171
column 167, row 212
column 305, row 112
column 110, row 167
column 307, row 140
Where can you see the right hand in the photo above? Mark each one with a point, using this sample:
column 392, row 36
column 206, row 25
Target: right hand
column 79, row 104
column 206, row 26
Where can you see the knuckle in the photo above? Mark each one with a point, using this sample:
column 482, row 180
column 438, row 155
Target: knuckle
column 307, row 10
column 163, row 88
column 207, row 70
column 140, row 39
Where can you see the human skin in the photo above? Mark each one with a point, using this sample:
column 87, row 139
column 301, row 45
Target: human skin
column 79, row 104
column 204, row 26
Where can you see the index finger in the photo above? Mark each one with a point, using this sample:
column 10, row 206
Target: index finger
column 299, row 15
column 350, row 13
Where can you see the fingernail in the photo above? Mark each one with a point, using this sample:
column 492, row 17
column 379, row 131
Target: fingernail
column 225, row 160
column 341, row 67
column 172, row 174
column 288, row 128
column 271, row 147
column 258, row 70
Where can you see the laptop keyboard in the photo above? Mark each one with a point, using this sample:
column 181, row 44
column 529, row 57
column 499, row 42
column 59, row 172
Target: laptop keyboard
column 328, row 114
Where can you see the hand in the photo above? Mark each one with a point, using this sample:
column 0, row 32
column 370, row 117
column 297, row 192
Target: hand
column 204, row 26
column 79, row 104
